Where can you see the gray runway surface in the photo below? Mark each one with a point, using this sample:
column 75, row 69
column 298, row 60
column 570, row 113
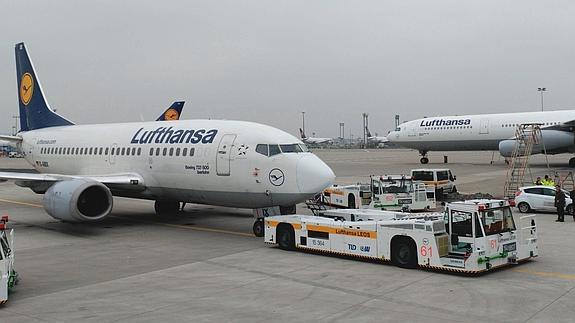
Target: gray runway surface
column 205, row 265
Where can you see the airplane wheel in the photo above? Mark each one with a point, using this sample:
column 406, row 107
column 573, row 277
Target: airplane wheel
column 424, row 160
column 572, row 162
column 569, row 209
column 258, row 228
column 165, row 207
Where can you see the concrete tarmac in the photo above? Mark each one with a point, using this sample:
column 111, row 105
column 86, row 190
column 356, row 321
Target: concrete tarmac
column 205, row 265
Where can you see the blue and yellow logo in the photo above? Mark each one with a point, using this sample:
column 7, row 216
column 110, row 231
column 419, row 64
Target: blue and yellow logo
column 26, row 88
column 171, row 114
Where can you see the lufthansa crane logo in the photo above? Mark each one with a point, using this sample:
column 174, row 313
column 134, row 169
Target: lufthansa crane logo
column 171, row 114
column 26, row 88
column 276, row 177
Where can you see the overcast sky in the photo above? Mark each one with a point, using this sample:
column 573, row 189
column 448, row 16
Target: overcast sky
column 268, row 60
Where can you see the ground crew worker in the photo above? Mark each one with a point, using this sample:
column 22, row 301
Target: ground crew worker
column 560, row 204
column 538, row 181
column 548, row 181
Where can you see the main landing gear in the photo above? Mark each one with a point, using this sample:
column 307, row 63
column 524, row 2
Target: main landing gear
column 424, row 159
column 167, row 207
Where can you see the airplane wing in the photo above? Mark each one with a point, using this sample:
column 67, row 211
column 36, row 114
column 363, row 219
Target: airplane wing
column 124, row 181
column 11, row 139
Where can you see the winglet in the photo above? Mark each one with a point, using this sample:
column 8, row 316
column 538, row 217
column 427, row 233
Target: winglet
column 173, row 112
column 302, row 134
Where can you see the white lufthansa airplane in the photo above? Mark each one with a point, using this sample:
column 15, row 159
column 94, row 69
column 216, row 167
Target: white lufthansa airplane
column 314, row 140
column 226, row 163
column 487, row 132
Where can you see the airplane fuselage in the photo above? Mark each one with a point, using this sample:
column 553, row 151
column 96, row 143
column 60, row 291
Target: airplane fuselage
column 197, row 161
column 471, row 132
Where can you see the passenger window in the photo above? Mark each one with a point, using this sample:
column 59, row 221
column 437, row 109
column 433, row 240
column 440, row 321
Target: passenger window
column 68, row 151
column 185, row 152
column 139, row 151
column 262, row 149
column 192, row 151
column 123, row 151
column 113, row 150
column 165, row 151
column 177, row 151
column 152, row 151
column 90, row 151
column 134, row 151
column 274, row 150
column 127, row 151
column 171, row 151
column 158, row 151
column 106, row 151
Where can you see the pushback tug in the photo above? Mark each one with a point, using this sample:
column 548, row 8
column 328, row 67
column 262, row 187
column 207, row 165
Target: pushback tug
column 471, row 236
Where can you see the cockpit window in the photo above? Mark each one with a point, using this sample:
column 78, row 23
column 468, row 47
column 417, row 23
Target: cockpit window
column 274, row 150
column 271, row 150
column 262, row 149
column 294, row 148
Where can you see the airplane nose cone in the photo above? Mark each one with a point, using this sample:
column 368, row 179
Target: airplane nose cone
column 313, row 175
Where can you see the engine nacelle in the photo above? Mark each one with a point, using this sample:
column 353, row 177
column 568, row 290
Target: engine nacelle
column 78, row 200
column 552, row 142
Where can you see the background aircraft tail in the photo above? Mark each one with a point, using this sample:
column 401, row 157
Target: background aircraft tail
column 302, row 134
column 173, row 112
column 367, row 132
column 35, row 113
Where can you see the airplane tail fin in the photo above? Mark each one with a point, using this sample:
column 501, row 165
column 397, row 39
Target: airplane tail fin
column 367, row 132
column 35, row 113
column 302, row 134
column 173, row 112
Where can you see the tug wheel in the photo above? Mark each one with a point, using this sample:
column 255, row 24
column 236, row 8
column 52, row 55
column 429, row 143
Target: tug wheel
column 403, row 253
column 285, row 236
column 258, row 228
column 351, row 201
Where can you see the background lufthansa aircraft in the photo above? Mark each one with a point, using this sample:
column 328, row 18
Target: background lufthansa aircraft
column 226, row 163
column 487, row 132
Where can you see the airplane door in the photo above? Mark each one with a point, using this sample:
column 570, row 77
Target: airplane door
column 224, row 155
column 112, row 154
column 484, row 126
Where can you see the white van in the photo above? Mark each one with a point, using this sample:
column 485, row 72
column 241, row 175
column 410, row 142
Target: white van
column 442, row 179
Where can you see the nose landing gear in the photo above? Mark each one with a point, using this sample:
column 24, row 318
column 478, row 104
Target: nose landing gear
column 424, row 159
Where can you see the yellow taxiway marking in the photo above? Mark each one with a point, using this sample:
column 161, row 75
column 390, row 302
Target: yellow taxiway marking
column 545, row 274
column 21, row 203
column 181, row 226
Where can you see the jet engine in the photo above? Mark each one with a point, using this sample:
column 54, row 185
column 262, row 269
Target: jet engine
column 78, row 200
column 551, row 141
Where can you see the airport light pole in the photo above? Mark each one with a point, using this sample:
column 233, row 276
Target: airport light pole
column 541, row 90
